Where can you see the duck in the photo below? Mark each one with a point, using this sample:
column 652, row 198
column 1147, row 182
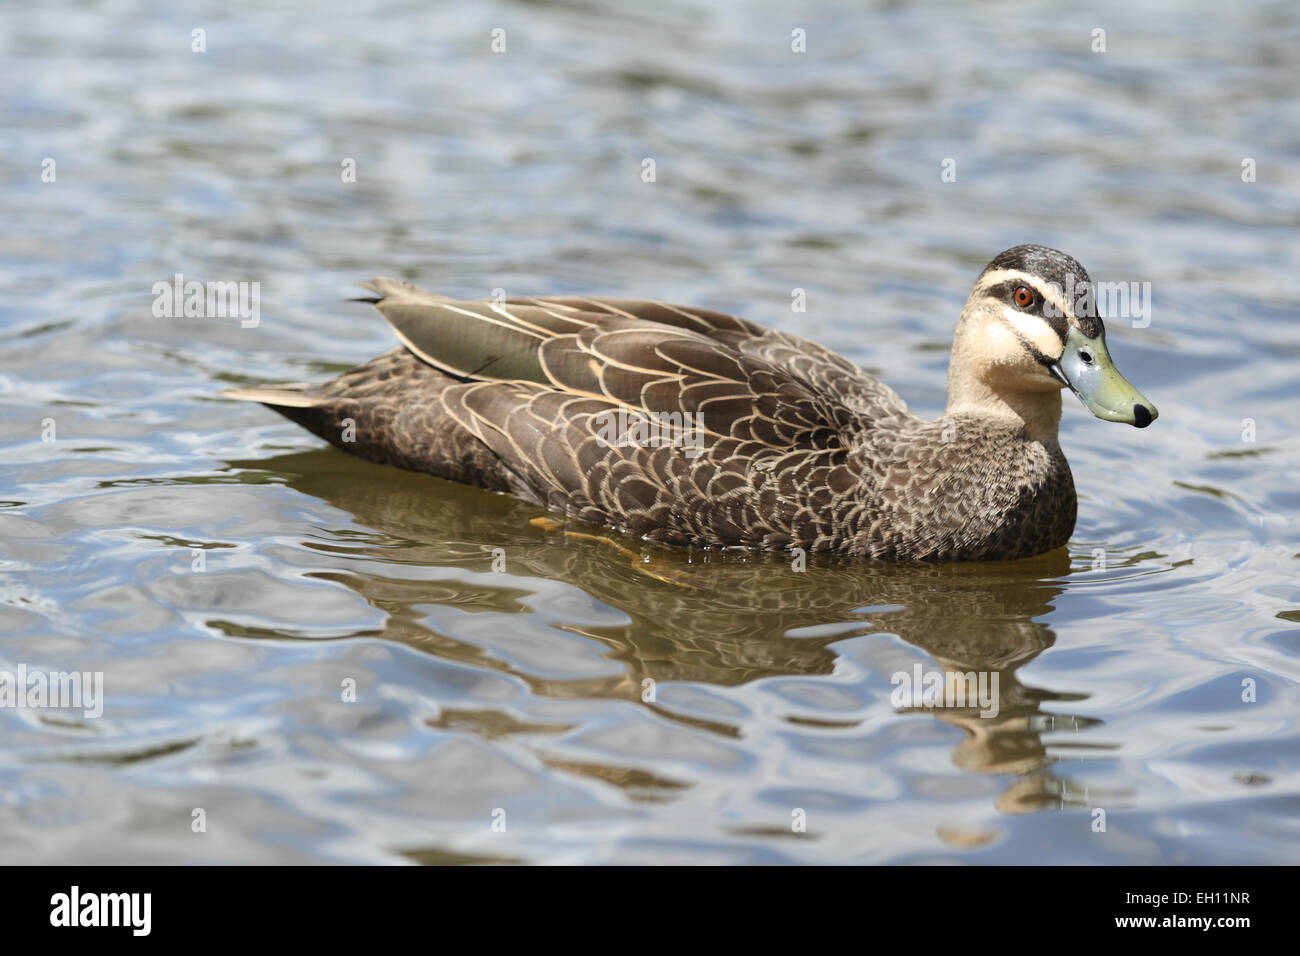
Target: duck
column 691, row 428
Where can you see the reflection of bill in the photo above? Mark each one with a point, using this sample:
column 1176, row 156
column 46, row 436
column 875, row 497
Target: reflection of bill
column 634, row 428
column 952, row 689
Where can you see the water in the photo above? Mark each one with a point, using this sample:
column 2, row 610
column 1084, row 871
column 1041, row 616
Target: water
column 485, row 695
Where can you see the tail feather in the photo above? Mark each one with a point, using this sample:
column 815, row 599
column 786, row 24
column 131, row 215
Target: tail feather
column 313, row 412
column 278, row 396
column 388, row 288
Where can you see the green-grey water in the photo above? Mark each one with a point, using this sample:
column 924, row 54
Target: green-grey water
column 310, row 658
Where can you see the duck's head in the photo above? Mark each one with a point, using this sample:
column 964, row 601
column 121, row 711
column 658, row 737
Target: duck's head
column 1029, row 329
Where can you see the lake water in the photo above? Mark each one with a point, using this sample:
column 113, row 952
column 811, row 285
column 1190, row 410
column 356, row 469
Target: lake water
column 237, row 583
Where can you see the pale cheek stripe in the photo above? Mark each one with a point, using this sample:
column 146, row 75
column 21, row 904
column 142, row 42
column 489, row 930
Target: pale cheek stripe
column 1033, row 328
column 1030, row 347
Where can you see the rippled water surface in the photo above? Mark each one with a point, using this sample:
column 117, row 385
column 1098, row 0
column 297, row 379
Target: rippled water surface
column 499, row 669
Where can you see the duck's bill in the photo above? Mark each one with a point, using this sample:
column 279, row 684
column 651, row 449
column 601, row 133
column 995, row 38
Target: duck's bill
column 1085, row 367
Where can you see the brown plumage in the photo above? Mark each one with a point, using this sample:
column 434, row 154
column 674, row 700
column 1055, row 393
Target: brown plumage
column 693, row 428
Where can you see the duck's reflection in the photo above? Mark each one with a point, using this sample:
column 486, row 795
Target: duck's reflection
column 724, row 620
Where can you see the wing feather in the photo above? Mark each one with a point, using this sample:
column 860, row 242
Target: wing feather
column 541, row 379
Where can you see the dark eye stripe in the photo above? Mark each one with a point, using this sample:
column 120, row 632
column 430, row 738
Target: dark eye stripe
column 1006, row 291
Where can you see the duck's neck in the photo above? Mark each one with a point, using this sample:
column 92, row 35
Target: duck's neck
column 1037, row 412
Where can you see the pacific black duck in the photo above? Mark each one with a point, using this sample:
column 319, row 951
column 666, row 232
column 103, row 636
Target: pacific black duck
column 693, row 428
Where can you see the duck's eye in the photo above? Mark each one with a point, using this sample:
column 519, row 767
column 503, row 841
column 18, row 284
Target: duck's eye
column 1087, row 357
column 1024, row 298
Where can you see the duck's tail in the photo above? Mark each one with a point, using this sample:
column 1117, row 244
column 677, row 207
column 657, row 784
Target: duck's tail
column 293, row 395
column 297, row 401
